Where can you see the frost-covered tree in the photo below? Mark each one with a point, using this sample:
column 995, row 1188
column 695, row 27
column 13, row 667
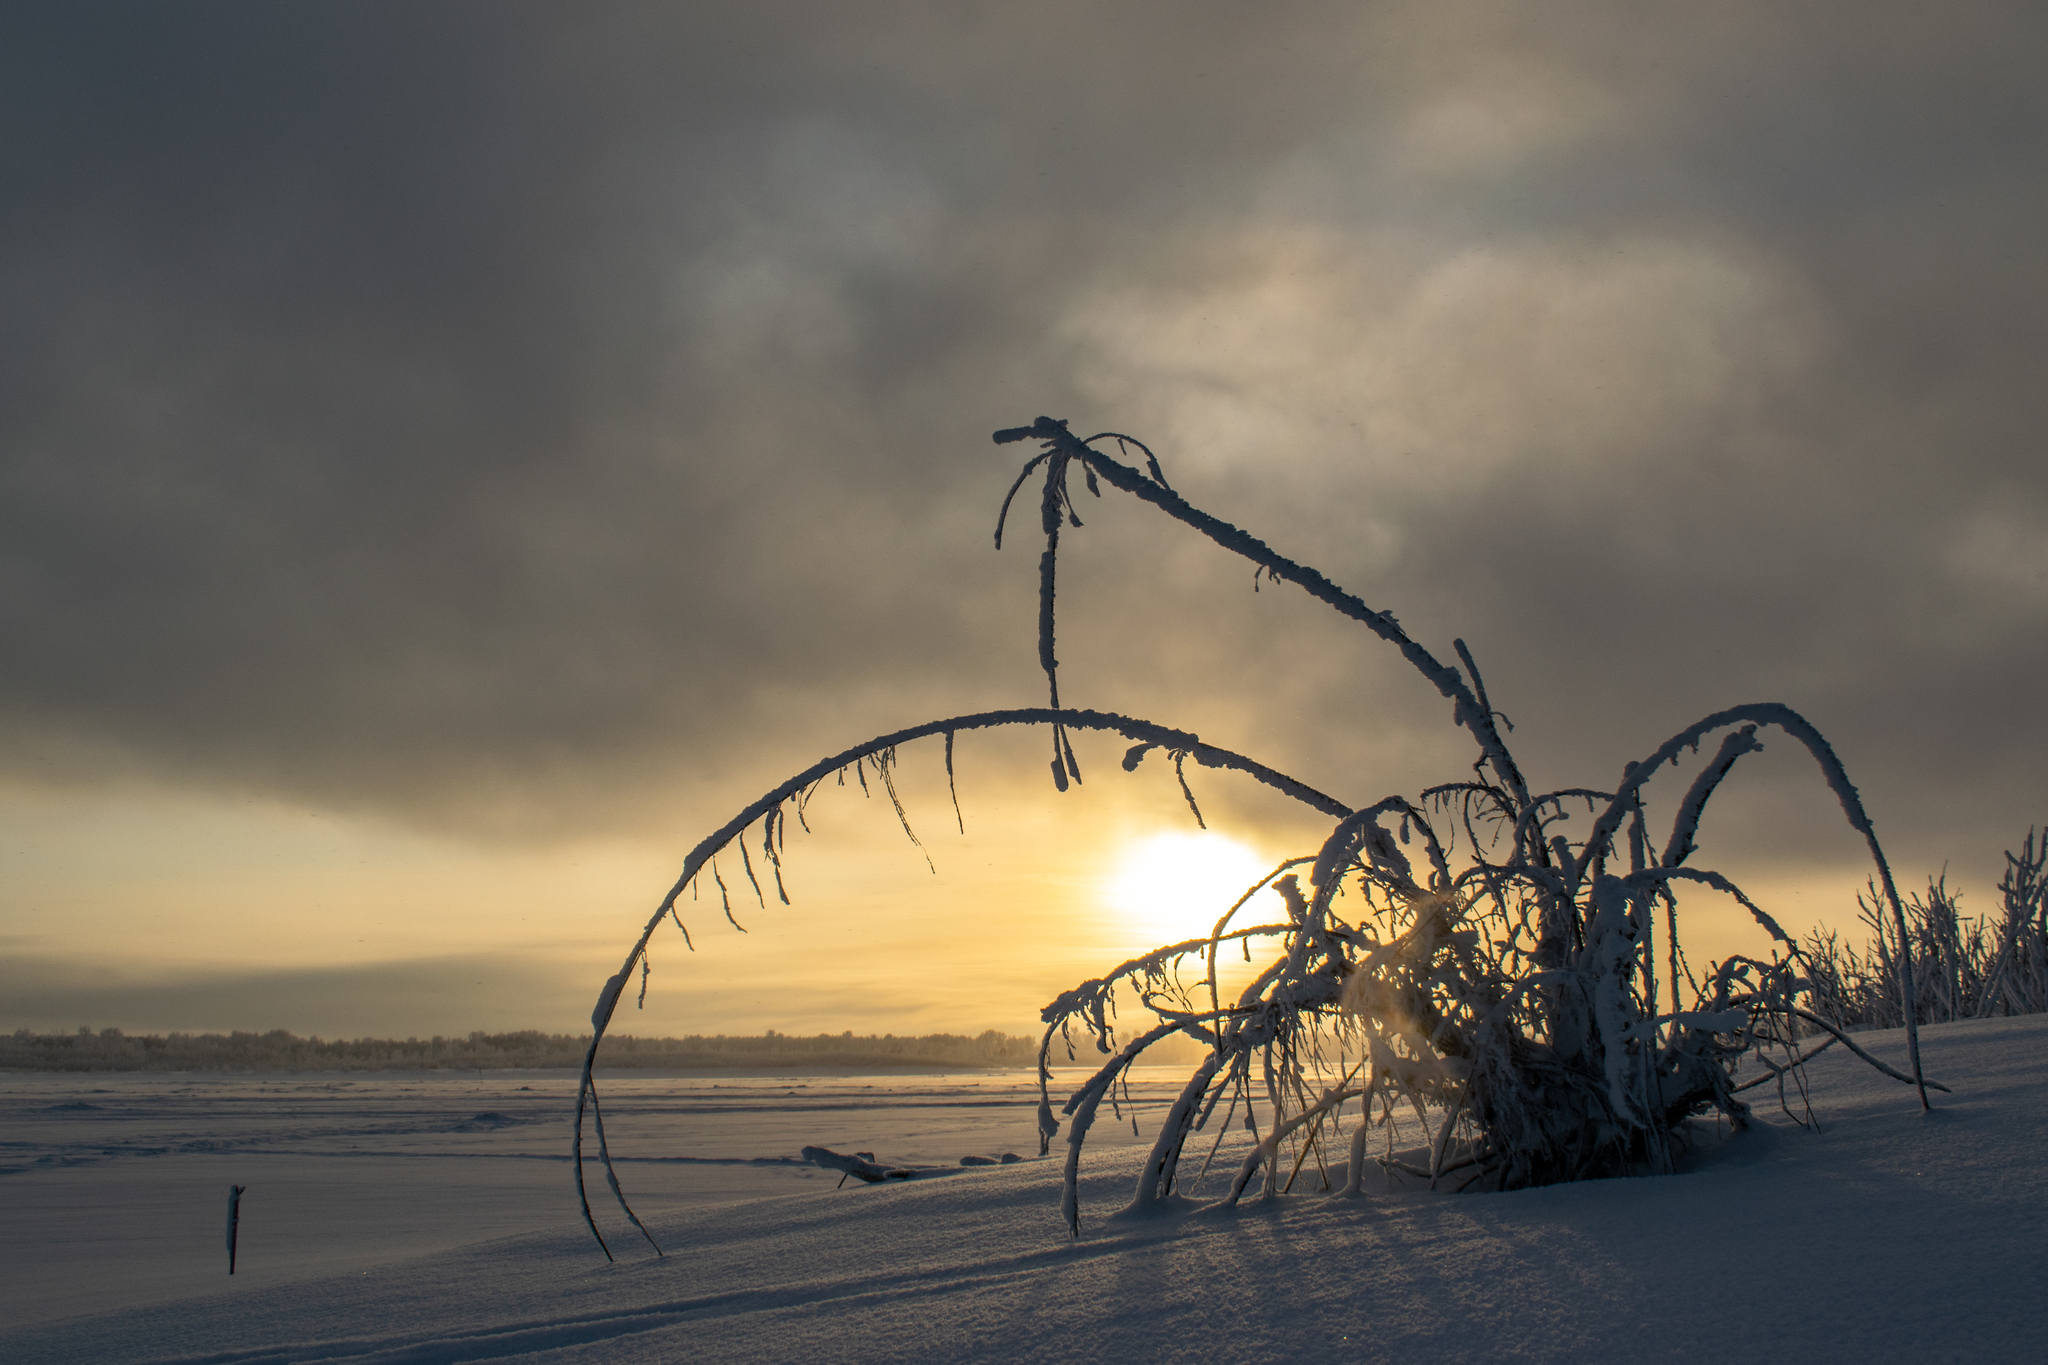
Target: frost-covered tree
column 1456, row 953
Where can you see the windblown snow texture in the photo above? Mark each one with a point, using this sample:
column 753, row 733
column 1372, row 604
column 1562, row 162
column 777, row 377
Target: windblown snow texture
column 1886, row 1235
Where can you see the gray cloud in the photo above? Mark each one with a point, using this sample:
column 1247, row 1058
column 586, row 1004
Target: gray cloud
column 450, row 995
column 487, row 418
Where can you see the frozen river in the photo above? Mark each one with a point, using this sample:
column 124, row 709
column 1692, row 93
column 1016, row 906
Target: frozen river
column 115, row 1184
column 429, row 1218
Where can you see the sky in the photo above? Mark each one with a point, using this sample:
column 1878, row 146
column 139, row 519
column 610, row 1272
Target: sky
column 454, row 456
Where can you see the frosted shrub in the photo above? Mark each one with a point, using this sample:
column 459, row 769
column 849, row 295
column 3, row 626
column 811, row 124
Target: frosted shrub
column 1459, row 954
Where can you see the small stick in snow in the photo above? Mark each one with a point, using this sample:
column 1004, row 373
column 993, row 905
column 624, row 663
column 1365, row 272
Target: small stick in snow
column 235, row 1193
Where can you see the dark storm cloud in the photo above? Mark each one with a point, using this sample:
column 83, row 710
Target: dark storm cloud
column 469, row 411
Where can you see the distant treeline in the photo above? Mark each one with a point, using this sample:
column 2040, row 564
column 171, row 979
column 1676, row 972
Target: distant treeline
column 112, row 1050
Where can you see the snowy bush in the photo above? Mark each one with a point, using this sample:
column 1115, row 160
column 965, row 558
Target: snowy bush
column 1461, row 954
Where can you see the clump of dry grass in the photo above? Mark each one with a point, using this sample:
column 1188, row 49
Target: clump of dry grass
column 1475, row 954
column 1963, row 968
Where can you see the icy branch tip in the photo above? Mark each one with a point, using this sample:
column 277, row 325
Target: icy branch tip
column 1045, row 428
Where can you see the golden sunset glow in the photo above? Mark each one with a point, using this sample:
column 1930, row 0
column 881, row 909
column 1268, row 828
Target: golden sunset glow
column 1173, row 885
column 387, row 688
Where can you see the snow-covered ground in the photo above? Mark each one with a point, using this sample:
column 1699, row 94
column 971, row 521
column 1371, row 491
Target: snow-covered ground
column 427, row 1219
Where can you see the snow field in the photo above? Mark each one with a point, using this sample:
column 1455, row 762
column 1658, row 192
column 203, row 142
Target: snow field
column 1885, row 1235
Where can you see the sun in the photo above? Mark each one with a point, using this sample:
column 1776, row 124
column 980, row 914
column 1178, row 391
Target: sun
column 1172, row 886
